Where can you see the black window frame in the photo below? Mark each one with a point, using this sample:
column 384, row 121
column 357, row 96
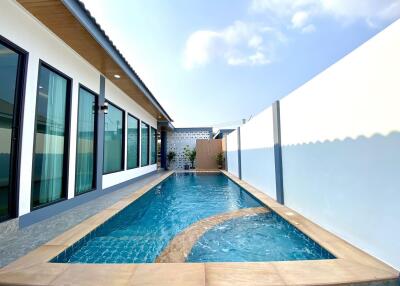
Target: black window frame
column 67, row 136
column 148, row 144
column 18, row 116
column 138, row 140
column 123, row 138
column 95, row 143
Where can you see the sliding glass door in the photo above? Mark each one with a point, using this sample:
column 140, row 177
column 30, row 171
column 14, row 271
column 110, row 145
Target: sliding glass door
column 51, row 137
column 86, row 142
column 113, row 140
column 144, row 144
column 153, row 144
column 133, row 142
column 12, row 64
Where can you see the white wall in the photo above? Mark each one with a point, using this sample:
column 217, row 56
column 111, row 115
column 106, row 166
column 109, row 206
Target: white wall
column 21, row 28
column 257, row 147
column 341, row 139
column 232, row 153
column 340, row 148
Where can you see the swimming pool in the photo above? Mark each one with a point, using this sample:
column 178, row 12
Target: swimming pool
column 140, row 232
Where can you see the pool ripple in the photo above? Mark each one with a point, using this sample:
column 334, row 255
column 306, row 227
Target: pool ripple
column 179, row 247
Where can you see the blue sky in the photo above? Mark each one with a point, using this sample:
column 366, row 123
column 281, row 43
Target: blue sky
column 212, row 63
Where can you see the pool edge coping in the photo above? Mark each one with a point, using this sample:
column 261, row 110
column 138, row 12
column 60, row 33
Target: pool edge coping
column 351, row 265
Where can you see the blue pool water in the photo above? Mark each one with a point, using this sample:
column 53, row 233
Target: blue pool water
column 140, row 232
column 264, row 237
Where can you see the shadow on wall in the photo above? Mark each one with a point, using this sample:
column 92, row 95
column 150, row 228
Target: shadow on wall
column 258, row 168
column 351, row 187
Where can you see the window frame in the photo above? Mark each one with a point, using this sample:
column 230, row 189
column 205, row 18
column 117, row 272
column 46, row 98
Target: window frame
column 148, row 144
column 123, row 138
column 17, row 132
column 95, row 143
column 138, row 140
column 67, row 136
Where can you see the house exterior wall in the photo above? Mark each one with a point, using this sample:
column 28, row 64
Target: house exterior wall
column 340, row 138
column 22, row 29
column 179, row 138
column 117, row 97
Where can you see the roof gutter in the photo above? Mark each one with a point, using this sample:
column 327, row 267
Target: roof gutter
column 90, row 24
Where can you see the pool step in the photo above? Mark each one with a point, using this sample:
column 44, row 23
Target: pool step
column 180, row 246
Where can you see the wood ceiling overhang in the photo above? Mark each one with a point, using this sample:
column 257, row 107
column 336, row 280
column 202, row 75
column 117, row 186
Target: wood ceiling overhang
column 72, row 22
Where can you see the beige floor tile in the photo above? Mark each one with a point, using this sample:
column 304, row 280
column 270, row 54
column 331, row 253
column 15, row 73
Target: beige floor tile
column 39, row 274
column 120, row 205
column 352, row 254
column 37, row 256
column 169, row 274
column 72, row 235
column 238, row 274
column 95, row 275
column 313, row 272
column 101, row 217
column 320, row 272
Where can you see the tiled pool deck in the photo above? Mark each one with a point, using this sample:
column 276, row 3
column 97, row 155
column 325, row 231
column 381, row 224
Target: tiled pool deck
column 352, row 266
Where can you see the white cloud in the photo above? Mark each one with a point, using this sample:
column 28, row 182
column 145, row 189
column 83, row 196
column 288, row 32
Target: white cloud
column 238, row 44
column 308, row 29
column 255, row 43
column 299, row 19
column 200, row 48
column 301, row 12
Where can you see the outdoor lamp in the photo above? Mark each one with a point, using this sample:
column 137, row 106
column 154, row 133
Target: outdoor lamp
column 104, row 107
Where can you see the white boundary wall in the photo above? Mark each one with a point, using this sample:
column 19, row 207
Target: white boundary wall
column 341, row 147
column 257, row 144
column 231, row 153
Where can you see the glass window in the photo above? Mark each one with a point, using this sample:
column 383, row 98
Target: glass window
column 133, row 142
column 50, row 145
column 113, row 140
column 8, row 81
column 153, row 145
column 85, row 148
column 144, row 144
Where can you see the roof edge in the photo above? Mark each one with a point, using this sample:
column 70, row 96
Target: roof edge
column 83, row 15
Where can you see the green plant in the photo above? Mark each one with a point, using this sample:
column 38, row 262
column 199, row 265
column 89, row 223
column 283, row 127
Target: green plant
column 171, row 156
column 190, row 154
column 219, row 159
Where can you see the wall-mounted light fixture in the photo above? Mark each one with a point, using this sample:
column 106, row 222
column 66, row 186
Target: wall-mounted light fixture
column 117, row 76
column 104, row 107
